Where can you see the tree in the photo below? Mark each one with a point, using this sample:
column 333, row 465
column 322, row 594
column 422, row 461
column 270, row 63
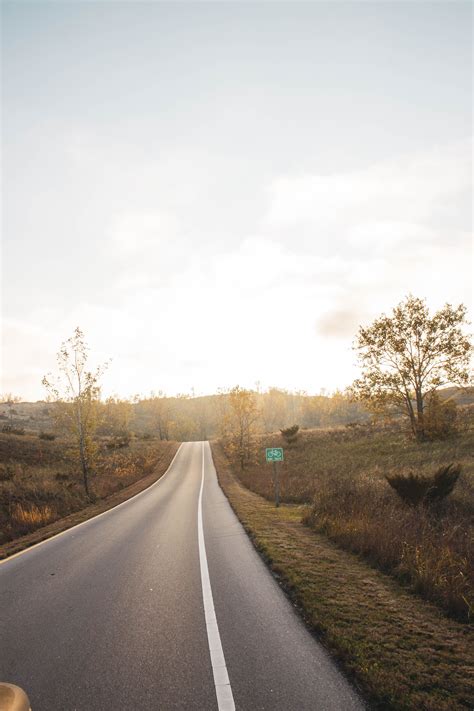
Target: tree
column 76, row 393
column 239, row 424
column 274, row 408
column 408, row 356
column 117, row 414
column 160, row 408
column 10, row 400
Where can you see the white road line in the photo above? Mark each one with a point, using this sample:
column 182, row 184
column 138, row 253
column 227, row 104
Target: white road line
column 93, row 518
column 225, row 699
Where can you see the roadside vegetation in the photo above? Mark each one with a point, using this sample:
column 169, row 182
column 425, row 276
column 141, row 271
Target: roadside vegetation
column 402, row 652
column 41, row 483
column 397, row 488
column 340, row 477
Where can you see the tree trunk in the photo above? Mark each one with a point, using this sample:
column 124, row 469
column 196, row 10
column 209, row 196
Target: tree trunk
column 420, row 417
column 411, row 415
column 85, row 471
column 82, row 447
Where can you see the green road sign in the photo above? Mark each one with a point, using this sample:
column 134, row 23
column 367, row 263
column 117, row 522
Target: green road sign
column 274, row 454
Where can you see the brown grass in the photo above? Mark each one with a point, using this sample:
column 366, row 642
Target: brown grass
column 31, row 515
column 341, row 475
column 403, row 652
column 40, row 483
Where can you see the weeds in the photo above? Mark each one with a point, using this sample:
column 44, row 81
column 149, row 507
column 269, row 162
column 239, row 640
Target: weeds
column 31, row 516
column 341, row 475
column 404, row 653
column 48, row 436
column 40, row 481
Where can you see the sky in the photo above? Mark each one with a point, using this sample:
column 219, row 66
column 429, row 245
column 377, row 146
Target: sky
column 221, row 193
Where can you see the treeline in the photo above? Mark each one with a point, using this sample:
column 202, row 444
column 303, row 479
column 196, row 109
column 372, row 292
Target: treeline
column 186, row 418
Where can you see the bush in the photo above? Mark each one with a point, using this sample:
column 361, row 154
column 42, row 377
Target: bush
column 440, row 419
column 49, row 436
column 7, row 472
column 119, row 442
column 414, row 489
column 9, row 429
column 444, row 482
column 290, row 434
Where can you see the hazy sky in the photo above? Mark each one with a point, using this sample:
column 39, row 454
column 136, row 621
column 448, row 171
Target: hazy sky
column 220, row 193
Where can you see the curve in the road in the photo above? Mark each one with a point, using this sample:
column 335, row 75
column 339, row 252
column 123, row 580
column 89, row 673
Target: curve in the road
column 118, row 612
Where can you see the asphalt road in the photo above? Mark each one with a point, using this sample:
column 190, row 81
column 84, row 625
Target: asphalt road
column 111, row 615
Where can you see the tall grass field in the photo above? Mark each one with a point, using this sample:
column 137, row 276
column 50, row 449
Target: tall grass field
column 340, row 474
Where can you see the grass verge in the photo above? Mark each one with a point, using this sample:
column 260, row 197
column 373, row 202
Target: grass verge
column 11, row 547
column 341, row 474
column 402, row 652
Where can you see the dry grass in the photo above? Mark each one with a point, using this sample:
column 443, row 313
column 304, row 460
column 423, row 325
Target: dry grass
column 31, row 515
column 341, row 475
column 432, row 550
column 40, row 480
column 403, row 652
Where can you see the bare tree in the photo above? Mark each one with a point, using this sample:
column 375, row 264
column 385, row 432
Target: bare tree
column 76, row 392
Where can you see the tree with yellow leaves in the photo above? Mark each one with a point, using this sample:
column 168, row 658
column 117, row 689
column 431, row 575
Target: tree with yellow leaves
column 240, row 424
column 76, row 394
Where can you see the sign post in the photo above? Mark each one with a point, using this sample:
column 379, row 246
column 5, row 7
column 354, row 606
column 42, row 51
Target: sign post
column 274, row 455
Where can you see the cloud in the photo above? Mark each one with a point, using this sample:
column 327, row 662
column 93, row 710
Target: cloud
column 379, row 207
column 279, row 303
column 339, row 323
column 143, row 233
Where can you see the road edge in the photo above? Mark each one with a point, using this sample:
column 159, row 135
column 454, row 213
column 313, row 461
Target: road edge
column 21, row 546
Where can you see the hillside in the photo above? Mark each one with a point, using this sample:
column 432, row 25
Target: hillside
column 339, row 475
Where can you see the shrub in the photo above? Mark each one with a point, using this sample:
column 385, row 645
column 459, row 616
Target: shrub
column 49, row 436
column 7, row 472
column 440, row 418
column 290, row 434
column 62, row 476
column 415, row 489
column 119, row 442
column 9, row 429
column 411, row 488
column 444, row 482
